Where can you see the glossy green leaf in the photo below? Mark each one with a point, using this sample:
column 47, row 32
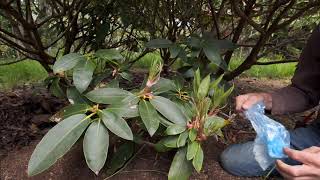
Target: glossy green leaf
column 159, row 43
column 160, row 147
column 204, row 87
column 192, row 149
column 116, row 124
column 216, row 82
column 109, row 54
column 128, row 107
column 95, row 146
column 170, row 141
column 75, row 97
column 186, row 108
column 214, row 124
column 68, row 111
column 174, row 50
column 169, row 110
column 149, row 116
column 55, row 88
column 82, row 75
column 192, row 134
column 165, row 122
column 196, row 81
column 67, row 62
column 163, row 85
column 114, row 83
column 107, row 95
column 120, row 157
column 198, row 160
column 212, row 52
column 194, row 42
column 180, row 168
column 175, row 129
column 126, row 76
column 182, row 139
column 56, row 143
column 178, row 81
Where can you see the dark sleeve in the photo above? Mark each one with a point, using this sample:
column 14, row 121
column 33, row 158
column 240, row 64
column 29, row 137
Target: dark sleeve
column 304, row 92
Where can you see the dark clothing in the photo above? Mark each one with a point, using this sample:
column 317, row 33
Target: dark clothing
column 304, row 92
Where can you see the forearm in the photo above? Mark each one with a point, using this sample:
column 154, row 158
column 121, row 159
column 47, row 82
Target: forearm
column 290, row 100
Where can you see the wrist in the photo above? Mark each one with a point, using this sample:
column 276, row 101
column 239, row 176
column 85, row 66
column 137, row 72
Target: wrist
column 267, row 100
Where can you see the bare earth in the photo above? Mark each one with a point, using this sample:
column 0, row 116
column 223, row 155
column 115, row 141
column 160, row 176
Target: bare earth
column 147, row 165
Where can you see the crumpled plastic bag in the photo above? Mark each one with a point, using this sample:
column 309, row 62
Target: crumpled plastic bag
column 271, row 137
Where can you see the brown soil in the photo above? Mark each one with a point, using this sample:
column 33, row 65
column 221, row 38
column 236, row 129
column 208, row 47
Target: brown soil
column 17, row 147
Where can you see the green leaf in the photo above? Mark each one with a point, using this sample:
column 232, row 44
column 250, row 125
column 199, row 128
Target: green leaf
column 67, row 62
column 107, row 95
column 163, row 85
column 178, row 81
column 114, row 83
column 127, row 107
column 216, row 82
column 149, row 116
column 69, row 111
column 109, row 54
column 192, row 134
column 116, row 124
column 175, row 129
column 95, row 146
column 194, row 42
column 164, row 121
column 56, row 143
column 169, row 110
column 198, row 160
column 120, row 157
column 82, row 75
column 55, row 88
column 180, row 168
column 186, row 108
column 204, row 87
column 126, row 76
column 213, row 54
column 192, row 149
column 74, row 96
column 174, row 50
column 182, row 139
column 170, row 141
column 214, row 124
column 196, row 81
column 159, row 43
column 160, row 147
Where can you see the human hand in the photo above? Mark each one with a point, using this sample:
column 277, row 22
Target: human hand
column 244, row 102
column 310, row 168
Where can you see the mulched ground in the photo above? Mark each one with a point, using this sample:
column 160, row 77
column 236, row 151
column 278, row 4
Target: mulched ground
column 24, row 120
column 24, row 115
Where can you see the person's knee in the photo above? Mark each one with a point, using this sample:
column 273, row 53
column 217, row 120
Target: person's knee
column 228, row 161
column 239, row 160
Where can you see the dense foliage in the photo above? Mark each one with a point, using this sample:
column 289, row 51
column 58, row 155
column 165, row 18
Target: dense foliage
column 45, row 30
column 183, row 114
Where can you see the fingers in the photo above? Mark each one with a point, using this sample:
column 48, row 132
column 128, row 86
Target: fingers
column 244, row 102
column 239, row 102
column 292, row 171
column 312, row 149
column 305, row 156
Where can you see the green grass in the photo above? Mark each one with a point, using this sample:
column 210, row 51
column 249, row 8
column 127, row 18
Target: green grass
column 20, row 73
column 146, row 60
column 274, row 71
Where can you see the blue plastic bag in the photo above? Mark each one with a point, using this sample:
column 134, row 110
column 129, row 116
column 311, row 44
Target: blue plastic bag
column 271, row 137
